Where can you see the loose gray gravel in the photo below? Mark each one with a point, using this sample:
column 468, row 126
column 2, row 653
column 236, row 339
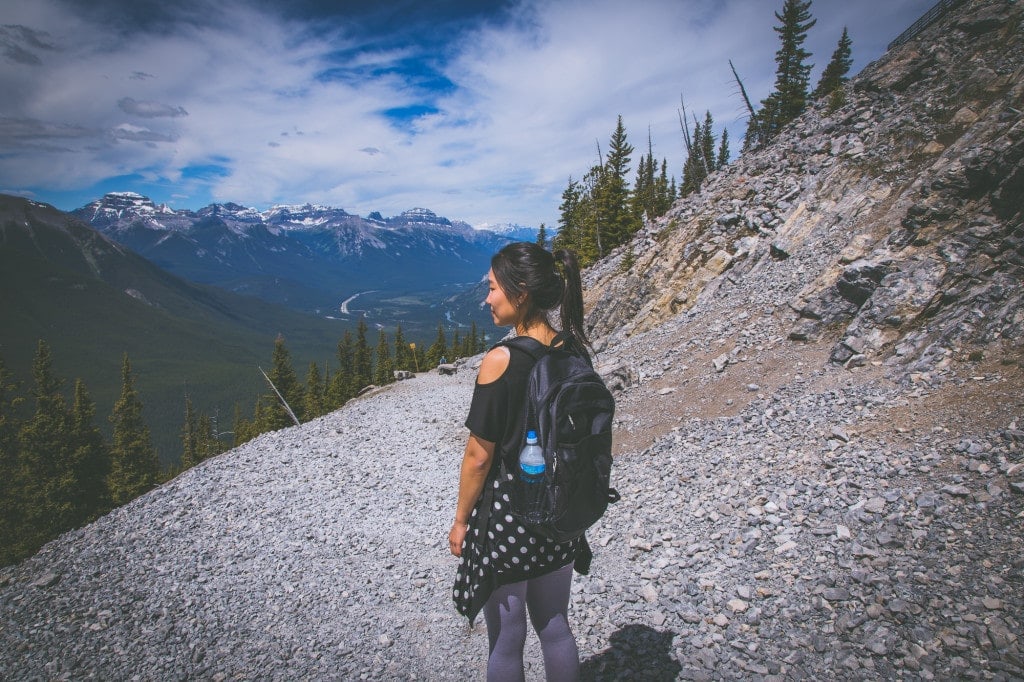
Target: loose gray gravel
column 769, row 545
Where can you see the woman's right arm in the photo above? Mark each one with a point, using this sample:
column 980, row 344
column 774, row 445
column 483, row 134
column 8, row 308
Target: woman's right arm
column 476, row 461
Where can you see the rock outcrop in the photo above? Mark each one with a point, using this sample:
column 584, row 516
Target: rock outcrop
column 891, row 226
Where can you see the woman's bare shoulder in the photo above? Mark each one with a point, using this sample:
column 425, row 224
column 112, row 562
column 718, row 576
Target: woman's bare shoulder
column 494, row 365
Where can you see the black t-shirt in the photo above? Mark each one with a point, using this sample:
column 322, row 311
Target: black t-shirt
column 496, row 412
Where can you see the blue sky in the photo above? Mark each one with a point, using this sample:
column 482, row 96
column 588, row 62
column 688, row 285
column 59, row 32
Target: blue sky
column 477, row 110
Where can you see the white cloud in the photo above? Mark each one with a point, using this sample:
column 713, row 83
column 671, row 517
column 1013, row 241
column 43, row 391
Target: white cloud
column 243, row 96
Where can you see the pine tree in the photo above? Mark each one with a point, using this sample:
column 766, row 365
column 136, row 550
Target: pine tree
column 384, row 370
column 283, row 376
column 362, row 360
column 244, row 429
column 208, row 443
column 475, row 345
column 542, row 236
column 314, row 400
column 570, row 227
column 438, row 351
column 792, row 76
column 834, row 75
column 694, row 169
column 707, row 144
column 190, row 437
column 665, row 193
column 10, row 504
column 45, row 476
column 403, row 354
column 134, row 465
column 613, row 194
column 456, row 346
column 90, row 459
column 341, row 387
column 723, row 150
column 9, row 402
column 645, row 189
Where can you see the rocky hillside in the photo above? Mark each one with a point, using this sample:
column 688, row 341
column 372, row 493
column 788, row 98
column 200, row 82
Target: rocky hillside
column 819, row 436
column 890, row 227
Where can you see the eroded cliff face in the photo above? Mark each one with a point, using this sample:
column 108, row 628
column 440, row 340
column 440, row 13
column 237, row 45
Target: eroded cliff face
column 900, row 213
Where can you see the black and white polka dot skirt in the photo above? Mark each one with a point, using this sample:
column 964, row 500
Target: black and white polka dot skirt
column 501, row 551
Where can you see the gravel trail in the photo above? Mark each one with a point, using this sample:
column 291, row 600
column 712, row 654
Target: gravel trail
column 792, row 540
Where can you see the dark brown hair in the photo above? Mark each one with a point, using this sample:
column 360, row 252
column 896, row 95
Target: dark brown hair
column 549, row 280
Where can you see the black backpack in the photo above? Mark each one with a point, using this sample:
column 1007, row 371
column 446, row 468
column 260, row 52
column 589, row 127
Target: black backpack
column 571, row 410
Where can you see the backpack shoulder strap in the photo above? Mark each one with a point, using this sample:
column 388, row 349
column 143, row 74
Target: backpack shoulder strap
column 532, row 347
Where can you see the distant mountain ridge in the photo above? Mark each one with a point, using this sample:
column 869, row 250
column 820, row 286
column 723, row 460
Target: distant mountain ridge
column 308, row 257
column 92, row 299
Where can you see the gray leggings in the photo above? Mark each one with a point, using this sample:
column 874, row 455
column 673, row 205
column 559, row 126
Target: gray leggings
column 547, row 599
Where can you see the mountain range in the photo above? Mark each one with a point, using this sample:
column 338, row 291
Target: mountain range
column 92, row 299
column 313, row 259
column 196, row 298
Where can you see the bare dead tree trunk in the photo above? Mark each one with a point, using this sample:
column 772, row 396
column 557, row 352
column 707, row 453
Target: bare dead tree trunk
column 280, row 397
column 746, row 100
column 682, row 125
column 593, row 202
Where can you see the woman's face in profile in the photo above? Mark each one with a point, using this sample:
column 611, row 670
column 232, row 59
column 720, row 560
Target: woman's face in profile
column 502, row 310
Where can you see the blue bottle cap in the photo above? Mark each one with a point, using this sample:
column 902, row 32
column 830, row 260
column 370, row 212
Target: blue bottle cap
column 531, row 435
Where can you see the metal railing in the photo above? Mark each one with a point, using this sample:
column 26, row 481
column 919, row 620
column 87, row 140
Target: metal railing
column 925, row 21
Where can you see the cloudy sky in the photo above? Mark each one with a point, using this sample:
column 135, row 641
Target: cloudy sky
column 479, row 110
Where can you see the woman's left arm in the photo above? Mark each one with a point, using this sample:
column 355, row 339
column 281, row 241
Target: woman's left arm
column 476, row 462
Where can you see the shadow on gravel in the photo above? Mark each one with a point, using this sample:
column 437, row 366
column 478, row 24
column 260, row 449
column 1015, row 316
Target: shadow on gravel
column 637, row 652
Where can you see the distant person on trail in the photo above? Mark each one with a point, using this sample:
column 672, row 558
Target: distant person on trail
column 506, row 570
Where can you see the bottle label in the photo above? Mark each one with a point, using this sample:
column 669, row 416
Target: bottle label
column 532, row 470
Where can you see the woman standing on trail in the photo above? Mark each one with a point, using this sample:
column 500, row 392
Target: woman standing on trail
column 506, row 570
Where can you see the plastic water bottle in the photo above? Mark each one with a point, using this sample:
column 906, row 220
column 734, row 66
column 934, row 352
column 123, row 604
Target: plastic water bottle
column 531, row 477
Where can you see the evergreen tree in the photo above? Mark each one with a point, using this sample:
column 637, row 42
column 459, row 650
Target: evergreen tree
column 384, row 370
column 134, row 464
column 362, row 359
column 475, row 345
column 10, row 504
column 788, row 99
column 45, row 476
column 723, row 150
column 645, row 189
column 208, row 443
column 244, row 429
column 665, row 193
column 613, row 194
column 694, row 169
column 282, row 375
column 190, row 437
column 707, row 144
column 628, row 259
column 570, row 223
column 542, row 236
column 439, row 349
column 342, row 384
column 9, row 402
column 834, row 75
column 90, row 459
column 314, row 401
column 403, row 354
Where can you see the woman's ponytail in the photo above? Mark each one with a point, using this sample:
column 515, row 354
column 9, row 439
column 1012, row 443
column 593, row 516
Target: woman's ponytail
column 551, row 280
column 572, row 298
